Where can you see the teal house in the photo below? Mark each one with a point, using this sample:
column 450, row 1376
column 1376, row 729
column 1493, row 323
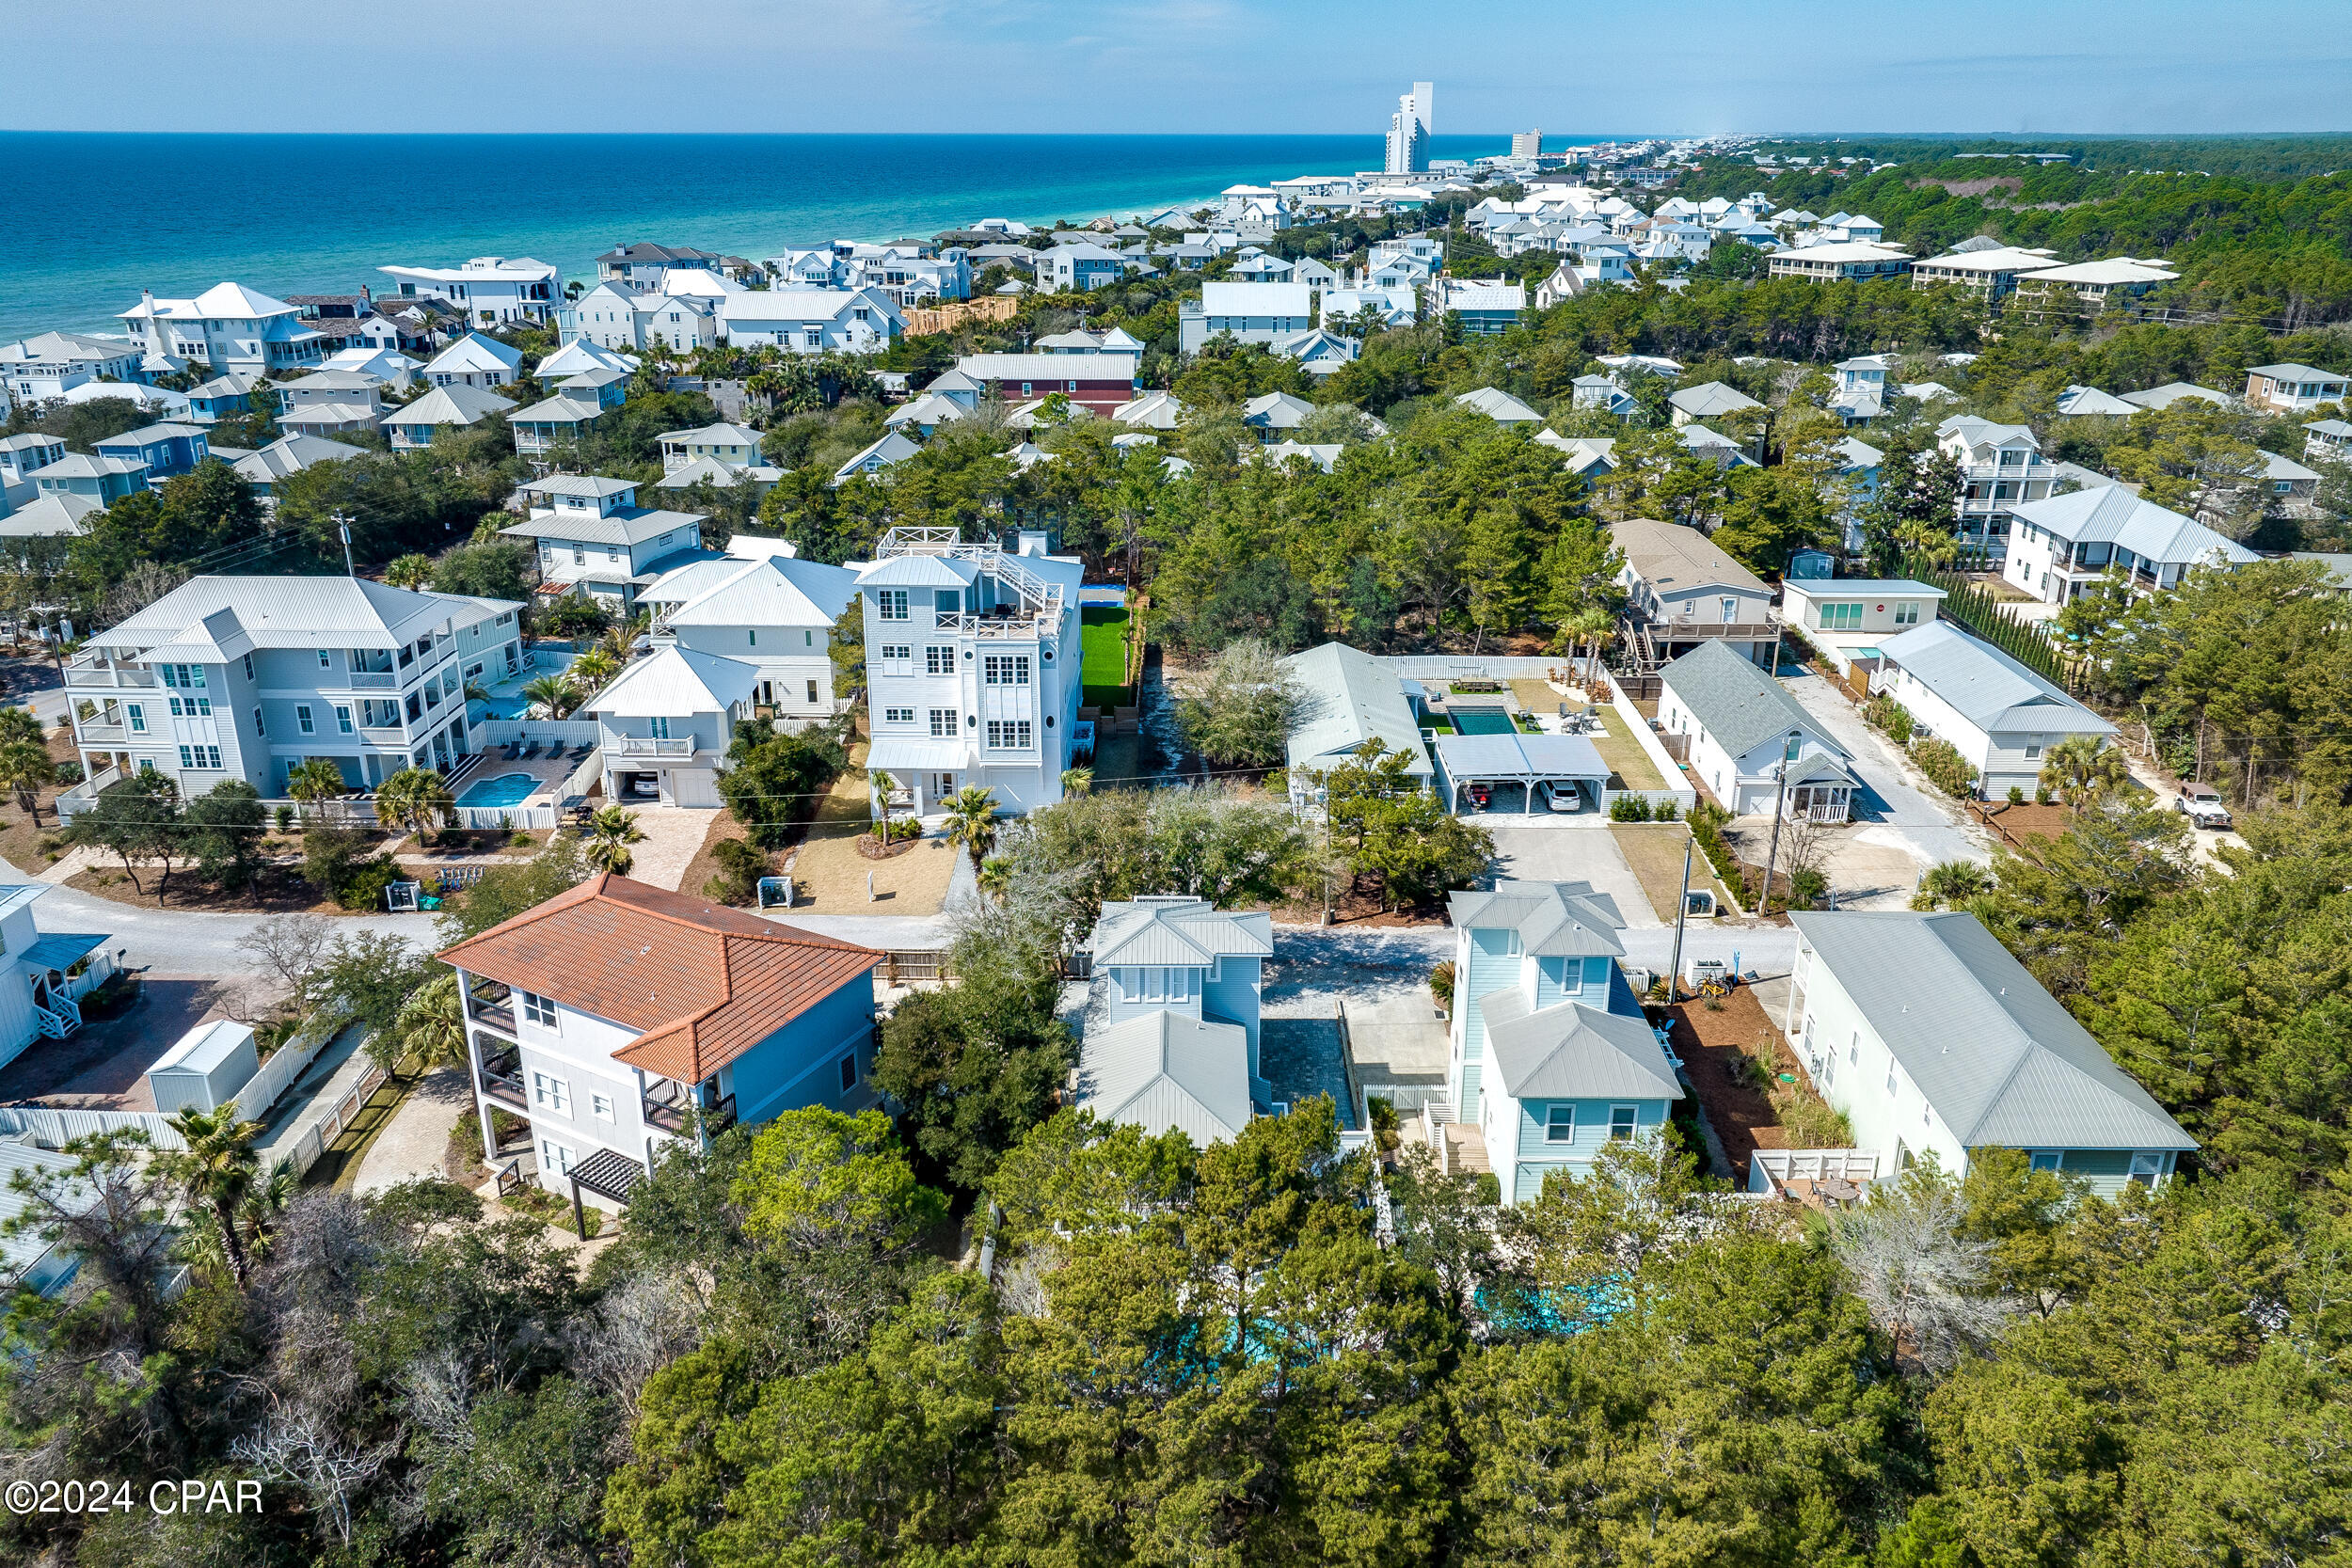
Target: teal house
column 1551, row 1058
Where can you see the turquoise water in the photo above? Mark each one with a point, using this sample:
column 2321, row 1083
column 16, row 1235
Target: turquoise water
column 1481, row 721
column 103, row 216
column 507, row 789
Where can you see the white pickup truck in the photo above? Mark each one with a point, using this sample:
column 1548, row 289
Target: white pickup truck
column 2202, row 806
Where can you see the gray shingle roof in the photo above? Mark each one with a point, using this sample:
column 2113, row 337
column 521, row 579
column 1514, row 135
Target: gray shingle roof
column 2000, row 1061
column 1675, row 559
column 1740, row 705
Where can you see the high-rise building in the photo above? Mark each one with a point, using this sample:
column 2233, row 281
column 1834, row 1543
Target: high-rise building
column 1527, row 144
column 1409, row 129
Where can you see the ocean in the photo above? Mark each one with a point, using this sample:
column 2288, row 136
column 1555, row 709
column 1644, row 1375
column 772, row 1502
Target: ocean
column 319, row 214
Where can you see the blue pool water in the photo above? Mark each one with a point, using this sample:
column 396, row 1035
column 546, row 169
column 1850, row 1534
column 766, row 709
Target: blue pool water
column 1482, row 720
column 507, row 789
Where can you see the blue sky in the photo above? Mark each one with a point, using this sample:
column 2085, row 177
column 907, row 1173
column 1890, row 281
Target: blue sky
column 1572, row 65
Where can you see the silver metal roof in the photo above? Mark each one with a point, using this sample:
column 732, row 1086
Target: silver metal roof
column 1572, row 1051
column 1553, row 919
column 1999, row 1060
column 1168, row 1069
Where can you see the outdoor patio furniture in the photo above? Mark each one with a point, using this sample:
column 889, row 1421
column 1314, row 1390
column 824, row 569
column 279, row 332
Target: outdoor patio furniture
column 1837, row 1189
column 579, row 752
column 532, row 751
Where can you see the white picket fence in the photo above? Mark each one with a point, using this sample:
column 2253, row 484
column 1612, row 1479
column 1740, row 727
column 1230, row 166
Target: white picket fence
column 320, row 1134
column 45, row 1127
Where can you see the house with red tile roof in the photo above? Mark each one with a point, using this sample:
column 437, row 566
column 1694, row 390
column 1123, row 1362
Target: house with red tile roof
column 616, row 1016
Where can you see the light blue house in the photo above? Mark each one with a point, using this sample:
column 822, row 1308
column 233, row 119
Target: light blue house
column 100, row 480
column 165, row 449
column 1551, row 1057
column 1172, row 1025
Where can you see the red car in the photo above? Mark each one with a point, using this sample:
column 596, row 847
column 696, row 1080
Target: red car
column 1481, row 795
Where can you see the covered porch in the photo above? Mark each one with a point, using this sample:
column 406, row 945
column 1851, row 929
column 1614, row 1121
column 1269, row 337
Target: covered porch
column 1562, row 772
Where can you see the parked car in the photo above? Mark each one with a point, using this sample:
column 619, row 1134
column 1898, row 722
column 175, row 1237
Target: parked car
column 1481, row 796
column 1566, row 797
column 2203, row 805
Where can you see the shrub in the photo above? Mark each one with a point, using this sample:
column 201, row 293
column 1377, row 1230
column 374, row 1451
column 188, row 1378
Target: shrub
column 1809, row 1122
column 284, row 818
column 68, row 774
column 364, row 891
column 1806, row 889
column 1945, row 767
column 1441, row 983
column 1629, row 808
column 1665, row 811
column 2016, row 796
column 1891, row 716
column 742, row 864
column 572, row 615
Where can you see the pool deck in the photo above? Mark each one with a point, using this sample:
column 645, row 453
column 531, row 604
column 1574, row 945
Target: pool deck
column 506, row 699
column 547, row 774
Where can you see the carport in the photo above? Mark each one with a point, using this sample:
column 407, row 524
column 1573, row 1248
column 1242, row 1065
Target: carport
column 1523, row 761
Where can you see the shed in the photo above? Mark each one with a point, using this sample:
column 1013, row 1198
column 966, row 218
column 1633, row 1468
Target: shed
column 206, row 1068
column 1557, row 761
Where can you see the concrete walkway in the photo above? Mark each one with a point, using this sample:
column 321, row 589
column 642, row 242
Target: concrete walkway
column 333, row 1073
column 414, row 1142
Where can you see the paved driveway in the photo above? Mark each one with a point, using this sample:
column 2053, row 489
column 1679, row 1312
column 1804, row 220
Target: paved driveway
column 1579, row 848
column 1897, row 800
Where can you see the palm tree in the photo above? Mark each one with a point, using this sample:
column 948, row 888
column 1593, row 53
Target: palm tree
column 1077, row 780
column 995, row 876
column 2078, row 767
column 409, row 571
column 216, row 1170
column 314, row 782
column 431, row 1026
column 610, row 832
column 19, row 723
column 554, row 693
column 416, row 798
column 24, row 768
column 593, row 668
column 1591, row 626
column 972, row 821
column 1950, row 883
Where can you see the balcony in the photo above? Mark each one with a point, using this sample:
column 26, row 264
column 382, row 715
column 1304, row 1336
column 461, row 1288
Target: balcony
column 649, row 746
column 671, row 1108
column 491, row 1004
column 502, row 1077
column 372, row 680
column 91, row 671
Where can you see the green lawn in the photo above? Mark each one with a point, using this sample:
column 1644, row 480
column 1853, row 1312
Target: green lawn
column 1102, row 633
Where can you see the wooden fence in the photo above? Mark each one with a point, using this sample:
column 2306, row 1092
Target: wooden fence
column 925, row 321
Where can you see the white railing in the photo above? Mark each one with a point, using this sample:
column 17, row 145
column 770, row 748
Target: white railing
column 105, row 674
column 650, row 746
column 320, row 1134
column 72, row 802
column 1770, row 1169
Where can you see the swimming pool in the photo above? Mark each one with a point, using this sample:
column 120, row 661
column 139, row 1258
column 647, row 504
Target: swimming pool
column 1482, row 720
column 507, row 789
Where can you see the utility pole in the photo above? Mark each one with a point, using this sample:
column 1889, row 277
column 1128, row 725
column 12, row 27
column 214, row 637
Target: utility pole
column 342, row 523
column 1780, row 793
column 1682, row 912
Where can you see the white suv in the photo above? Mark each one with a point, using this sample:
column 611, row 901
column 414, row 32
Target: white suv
column 2201, row 806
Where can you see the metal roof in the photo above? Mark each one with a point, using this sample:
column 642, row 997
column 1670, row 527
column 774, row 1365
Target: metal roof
column 1984, row 685
column 1183, row 931
column 294, row 612
column 1521, row 756
column 1351, row 697
column 2113, row 515
column 673, row 683
column 1572, row 1051
column 1554, row 920
column 1998, row 1058
column 1168, row 1069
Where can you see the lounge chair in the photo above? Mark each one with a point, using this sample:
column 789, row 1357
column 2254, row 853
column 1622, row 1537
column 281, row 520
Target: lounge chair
column 579, row 752
column 531, row 751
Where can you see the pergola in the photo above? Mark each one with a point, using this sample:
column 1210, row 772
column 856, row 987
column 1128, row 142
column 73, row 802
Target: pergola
column 606, row 1173
column 1524, row 760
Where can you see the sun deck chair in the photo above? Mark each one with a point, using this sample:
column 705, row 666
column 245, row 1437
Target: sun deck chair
column 579, row 752
column 531, row 751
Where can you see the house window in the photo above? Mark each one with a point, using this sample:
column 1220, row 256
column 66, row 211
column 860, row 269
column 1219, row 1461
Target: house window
column 2146, row 1168
column 302, row 717
column 138, row 718
column 1560, row 1124
column 2033, row 747
column 2045, row 1159
column 324, row 663
column 1004, row 669
column 943, row 721
column 939, row 662
column 249, row 667
column 1621, row 1121
column 342, row 718
column 849, row 1072
column 1008, row 734
column 602, row 1105
column 1891, row 1090
column 812, row 692
column 1841, row 617
column 658, row 728
column 554, row 1157
column 898, row 716
column 891, row 604
column 551, row 1094
column 1907, row 614
column 539, row 1009
column 898, row 659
